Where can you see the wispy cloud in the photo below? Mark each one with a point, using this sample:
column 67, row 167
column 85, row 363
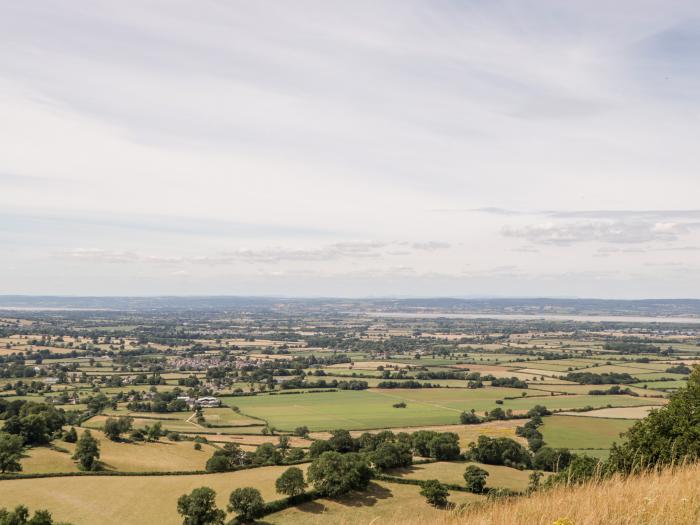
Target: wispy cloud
column 616, row 232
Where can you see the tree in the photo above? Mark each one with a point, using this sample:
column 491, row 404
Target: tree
column 535, row 478
column 667, row 435
column 228, row 458
column 20, row 516
column 475, row 478
column 71, row 436
column 199, row 508
column 435, row 493
column 420, row 441
column 267, row 454
column 87, row 451
column 291, row 482
column 334, row 474
column 469, row 418
column 341, row 441
column 499, row 451
column 552, row 459
column 579, row 470
column 116, row 426
column 246, row 502
column 319, row 447
column 302, row 431
column 10, row 452
column 391, row 455
column 294, row 454
column 154, row 432
column 445, row 446
column 283, row 444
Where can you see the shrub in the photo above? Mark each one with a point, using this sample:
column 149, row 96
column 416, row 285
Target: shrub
column 475, row 478
column 435, row 493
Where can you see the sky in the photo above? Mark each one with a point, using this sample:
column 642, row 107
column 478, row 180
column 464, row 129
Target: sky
column 330, row 148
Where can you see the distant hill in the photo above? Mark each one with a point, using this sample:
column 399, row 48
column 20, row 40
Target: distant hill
column 502, row 306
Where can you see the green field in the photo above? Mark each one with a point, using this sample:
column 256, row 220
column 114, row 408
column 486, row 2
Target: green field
column 582, row 432
column 367, row 409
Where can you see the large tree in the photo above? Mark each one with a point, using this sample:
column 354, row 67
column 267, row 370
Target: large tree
column 10, row 452
column 291, row 482
column 435, row 492
column 87, row 451
column 334, row 474
column 247, row 503
column 475, row 478
column 199, row 508
column 667, row 435
column 116, row 426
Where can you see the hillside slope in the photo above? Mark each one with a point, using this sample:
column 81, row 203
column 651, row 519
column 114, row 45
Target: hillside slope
column 671, row 497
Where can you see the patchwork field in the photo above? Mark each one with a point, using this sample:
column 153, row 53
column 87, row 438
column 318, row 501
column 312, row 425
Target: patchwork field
column 142, row 500
column 582, row 432
column 453, row 472
column 379, row 503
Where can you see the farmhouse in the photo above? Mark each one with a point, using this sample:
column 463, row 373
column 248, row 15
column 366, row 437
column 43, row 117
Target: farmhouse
column 207, row 402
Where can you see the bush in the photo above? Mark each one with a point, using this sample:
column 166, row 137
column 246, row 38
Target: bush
column 469, row 418
column 475, row 478
column 71, row 436
column 435, row 493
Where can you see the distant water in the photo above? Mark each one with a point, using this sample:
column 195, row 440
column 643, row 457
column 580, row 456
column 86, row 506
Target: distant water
column 541, row 317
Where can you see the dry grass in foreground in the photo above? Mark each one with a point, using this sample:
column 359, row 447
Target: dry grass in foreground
column 671, row 497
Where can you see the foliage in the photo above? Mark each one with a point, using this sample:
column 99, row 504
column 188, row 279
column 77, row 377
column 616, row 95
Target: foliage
column 199, row 508
column 667, row 435
column 10, row 452
column 499, row 451
column 552, row 459
column 115, row 427
column 20, row 516
column 334, row 474
column 444, row 447
column 475, row 478
column 291, row 482
column 246, row 502
column 71, row 436
column 435, row 493
column 87, row 452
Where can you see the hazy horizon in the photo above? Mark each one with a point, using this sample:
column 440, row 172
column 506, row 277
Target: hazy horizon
column 374, row 149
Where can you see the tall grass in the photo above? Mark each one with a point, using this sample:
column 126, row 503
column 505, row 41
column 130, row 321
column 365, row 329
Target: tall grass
column 667, row 497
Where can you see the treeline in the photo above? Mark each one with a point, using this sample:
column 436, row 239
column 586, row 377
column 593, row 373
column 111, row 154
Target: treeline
column 589, row 378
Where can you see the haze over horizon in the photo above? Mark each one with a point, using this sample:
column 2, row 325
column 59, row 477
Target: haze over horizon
column 408, row 149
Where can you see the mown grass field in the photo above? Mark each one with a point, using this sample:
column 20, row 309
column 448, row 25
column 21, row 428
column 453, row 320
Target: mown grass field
column 453, row 472
column 161, row 456
column 582, row 432
column 132, row 500
column 382, row 502
column 370, row 409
